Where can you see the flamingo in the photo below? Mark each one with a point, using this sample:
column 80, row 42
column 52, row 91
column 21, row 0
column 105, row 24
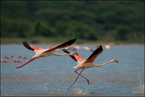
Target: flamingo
column 83, row 64
column 50, row 47
column 87, row 48
column 79, row 48
column 19, row 60
column 40, row 52
column 71, row 48
column 6, row 59
column 108, row 46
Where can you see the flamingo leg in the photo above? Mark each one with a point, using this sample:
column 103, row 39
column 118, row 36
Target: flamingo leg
column 82, row 76
column 76, row 78
column 25, row 63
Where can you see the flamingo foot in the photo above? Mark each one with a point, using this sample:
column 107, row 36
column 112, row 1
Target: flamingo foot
column 88, row 82
column 18, row 67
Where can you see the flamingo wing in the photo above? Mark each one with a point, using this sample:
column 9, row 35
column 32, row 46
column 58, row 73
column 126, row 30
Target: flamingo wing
column 30, row 47
column 63, row 45
column 79, row 58
column 72, row 56
column 92, row 57
column 76, row 57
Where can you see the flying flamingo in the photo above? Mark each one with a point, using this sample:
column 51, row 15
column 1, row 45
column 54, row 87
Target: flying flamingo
column 87, row 48
column 78, row 48
column 108, row 46
column 19, row 60
column 6, row 59
column 40, row 52
column 83, row 64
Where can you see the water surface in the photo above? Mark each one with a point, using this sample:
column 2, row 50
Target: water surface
column 44, row 76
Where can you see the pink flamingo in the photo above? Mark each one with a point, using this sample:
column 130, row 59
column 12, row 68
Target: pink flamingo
column 83, row 64
column 40, row 52
column 6, row 59
column 78, row 48
column 108, row 46
column 19, row 60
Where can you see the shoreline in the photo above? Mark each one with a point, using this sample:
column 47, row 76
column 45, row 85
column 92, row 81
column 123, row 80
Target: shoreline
column 58, row 40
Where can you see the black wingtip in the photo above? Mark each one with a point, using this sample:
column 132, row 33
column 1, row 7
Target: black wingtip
column 25, row 43
column 72, row 41
column 72, row 56
column 100, row 47
column 65, row 51
column 69, row 42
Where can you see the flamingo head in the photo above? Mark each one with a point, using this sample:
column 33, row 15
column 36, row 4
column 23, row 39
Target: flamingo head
column 114, row 60
column 6, row 57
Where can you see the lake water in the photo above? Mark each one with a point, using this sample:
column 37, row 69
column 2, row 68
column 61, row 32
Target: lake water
column 45, row 76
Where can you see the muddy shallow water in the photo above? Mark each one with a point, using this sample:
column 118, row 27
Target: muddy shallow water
column 45, row 76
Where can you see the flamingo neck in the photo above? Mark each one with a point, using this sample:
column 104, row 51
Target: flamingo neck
column 103, row 64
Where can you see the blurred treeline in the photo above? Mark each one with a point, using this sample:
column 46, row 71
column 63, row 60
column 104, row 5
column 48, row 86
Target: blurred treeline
column 89, row 20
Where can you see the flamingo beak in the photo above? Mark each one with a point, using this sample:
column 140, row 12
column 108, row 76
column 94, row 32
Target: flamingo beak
column 115, row 60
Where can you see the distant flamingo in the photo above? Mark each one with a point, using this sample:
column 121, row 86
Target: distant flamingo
column 6, row 59
column 19, row 60
column 40, row 52
column 108, row 46
column 87, row 48
column 83, row 64
column 70, row 48
column 78, row 48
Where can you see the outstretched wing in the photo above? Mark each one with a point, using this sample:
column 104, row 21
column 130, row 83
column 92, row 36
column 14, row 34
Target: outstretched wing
column 76, row 57
column 79, row 58
column 72, row 56
column 92, row 57
column 30, row 47
column 68, row 43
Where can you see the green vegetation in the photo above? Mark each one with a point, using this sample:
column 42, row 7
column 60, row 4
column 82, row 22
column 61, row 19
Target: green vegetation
column 56, row 21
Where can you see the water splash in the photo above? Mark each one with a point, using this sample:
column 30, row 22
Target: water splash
column 77, row 92
column 140, row 87
column 80, row 92
column 61, row 90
